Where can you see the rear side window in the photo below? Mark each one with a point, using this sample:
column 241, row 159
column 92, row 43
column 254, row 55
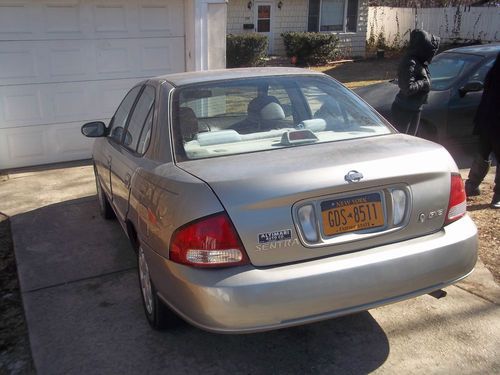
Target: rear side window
column 138, row 118
column 266, row 113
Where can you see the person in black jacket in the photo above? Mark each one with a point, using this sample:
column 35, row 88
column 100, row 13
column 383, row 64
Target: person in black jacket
column 487, row 126
column 413, row 81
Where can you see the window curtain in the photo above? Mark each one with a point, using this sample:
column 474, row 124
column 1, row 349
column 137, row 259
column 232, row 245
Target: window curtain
column 332, row 15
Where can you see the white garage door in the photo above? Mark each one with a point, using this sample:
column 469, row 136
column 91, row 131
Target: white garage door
column 66, row 62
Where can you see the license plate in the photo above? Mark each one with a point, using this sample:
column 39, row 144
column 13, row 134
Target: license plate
column 352, row 214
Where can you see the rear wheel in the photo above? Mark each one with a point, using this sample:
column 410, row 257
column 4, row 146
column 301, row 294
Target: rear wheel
column 104, row 205
column 159, row 316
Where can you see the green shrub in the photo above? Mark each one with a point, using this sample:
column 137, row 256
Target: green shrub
column 311, row 48
column 245, row 50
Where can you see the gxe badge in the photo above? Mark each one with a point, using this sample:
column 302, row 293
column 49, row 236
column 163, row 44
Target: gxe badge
column 353, row 176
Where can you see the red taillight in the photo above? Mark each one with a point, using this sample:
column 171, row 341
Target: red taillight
column 457, row 205
column 209, row 242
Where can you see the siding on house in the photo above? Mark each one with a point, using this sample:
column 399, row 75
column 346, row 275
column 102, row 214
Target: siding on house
column 354, row 44
column 293, row 16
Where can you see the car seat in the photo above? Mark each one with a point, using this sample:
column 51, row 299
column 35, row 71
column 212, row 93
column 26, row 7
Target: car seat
column 188, row 123
column 262, row 114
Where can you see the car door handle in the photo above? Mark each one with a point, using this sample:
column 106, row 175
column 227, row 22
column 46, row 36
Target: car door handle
column 127, row 180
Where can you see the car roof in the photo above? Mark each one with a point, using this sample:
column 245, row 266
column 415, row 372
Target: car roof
column 480, row 49
column 187, row 78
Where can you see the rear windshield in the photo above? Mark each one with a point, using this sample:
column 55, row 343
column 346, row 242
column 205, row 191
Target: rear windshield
column 250, row 115
column 446, row 68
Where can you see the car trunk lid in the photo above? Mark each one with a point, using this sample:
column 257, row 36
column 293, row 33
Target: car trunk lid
column 262, row 193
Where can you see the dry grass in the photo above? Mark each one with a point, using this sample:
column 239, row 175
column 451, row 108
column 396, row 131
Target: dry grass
column 363, row 72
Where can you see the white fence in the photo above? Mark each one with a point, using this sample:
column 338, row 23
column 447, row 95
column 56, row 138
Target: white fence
column 451, row 24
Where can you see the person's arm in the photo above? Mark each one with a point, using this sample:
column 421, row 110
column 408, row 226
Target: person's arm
column 409, row 84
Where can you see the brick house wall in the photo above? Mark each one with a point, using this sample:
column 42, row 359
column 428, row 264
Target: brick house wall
column 293, row 16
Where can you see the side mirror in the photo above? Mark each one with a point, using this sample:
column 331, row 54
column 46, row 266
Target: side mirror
column 94, row 129
column 471, row 86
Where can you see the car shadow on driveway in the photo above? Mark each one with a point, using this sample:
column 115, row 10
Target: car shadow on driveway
column 84, row 313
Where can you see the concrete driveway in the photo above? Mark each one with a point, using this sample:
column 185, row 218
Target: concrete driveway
column 84, row 314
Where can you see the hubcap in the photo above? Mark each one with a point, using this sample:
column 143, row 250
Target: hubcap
column 147, row 293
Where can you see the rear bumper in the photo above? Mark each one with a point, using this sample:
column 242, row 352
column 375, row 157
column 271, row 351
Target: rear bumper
column 246, row 299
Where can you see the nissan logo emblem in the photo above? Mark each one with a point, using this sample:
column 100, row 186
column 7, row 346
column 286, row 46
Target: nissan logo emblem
column 353, row 176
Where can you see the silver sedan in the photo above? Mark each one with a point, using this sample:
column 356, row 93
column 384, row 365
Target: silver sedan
column 259, row 199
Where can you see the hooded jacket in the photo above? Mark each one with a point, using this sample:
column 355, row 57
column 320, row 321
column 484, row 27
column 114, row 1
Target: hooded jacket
column 413, row 72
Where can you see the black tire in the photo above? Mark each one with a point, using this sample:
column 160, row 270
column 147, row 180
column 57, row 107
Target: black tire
column 159, row 316
column 104, row 206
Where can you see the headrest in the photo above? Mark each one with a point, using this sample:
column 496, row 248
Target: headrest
column 256, row 105
column 272, row 111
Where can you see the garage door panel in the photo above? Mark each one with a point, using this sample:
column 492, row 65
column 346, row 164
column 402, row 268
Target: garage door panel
column 67, row 140
column 42, row 144
column 17, row 18
column 29, row 62
column 154, row 13
column 71, row 104
column 28, row 105
column 115, row 59
column 158, row 58
column 62, row 17
column 68, row 19
column 67, row 62
column 112, row 17
column 25, row 145
column 21, row 106
column 18, row 62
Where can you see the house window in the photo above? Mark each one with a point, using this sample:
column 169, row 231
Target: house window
column 333, row 15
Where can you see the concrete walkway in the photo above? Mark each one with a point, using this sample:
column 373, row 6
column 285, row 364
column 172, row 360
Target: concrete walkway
column 84, row 313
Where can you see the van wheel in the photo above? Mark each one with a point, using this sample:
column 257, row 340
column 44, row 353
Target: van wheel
column 159, row 316
column 104, row 205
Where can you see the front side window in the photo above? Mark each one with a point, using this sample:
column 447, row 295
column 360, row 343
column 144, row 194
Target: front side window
column 145, row 134
column 138, row 118
column 250, row 115
column 119, row 120
column 447, row 68
column 480, row 73
column 333, row 15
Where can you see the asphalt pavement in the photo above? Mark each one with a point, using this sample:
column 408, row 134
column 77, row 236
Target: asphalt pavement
column 83, row 309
